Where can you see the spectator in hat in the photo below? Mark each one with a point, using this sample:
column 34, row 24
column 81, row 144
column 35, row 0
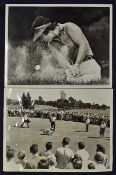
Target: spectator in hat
column 69, row 46
column 64, row 154
column 33, row 162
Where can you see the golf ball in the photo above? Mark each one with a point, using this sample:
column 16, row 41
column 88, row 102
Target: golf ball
column 37, row 67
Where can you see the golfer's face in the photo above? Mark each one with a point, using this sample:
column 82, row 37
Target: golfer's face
column 52, row 33
column 48, row 37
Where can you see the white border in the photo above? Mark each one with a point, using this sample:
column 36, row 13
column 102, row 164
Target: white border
column 61, row 170
column 58, row 5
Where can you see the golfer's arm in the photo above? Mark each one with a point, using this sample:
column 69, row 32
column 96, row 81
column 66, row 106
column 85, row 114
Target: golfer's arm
column 79, row 39
column 81, row 53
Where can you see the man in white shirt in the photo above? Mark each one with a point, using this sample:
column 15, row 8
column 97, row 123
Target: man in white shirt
column 87, row 122
column 83, row 153
column 53, row 121
column 34, row 160
column 64, row 154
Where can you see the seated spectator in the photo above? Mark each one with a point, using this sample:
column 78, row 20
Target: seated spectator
column 33, row 163
column 77, row 163
column 52, row 164
column 69, row 165
column 82, row 152
column 99, row 160
column 10, row 163
column 91, row 166
column 21, row 156
column 64, row 154
column 100, row 148
column 48, row 153
column 48, row 148
column 43, row 164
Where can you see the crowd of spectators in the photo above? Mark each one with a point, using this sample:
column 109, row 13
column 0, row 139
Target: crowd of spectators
column 63, row 158
column 95, row 119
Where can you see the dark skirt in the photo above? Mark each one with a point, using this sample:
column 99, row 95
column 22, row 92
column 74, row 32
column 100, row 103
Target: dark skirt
column 102, row 130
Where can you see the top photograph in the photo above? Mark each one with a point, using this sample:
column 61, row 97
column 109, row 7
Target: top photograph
column 58, row 45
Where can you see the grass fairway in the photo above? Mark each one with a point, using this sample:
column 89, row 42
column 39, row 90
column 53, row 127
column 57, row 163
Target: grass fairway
column 22, row 138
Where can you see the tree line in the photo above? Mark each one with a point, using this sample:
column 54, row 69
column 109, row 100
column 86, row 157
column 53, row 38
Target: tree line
column 27, row 102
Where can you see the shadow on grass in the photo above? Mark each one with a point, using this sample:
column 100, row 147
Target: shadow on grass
column 93, row 137
column 79, row 131
column 107, row 139
column 18, row 127
column 40, row 129
column 46, row 134
column 104, row 138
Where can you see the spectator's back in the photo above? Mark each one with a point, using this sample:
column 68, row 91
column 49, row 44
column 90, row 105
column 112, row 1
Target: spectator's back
column 64, row 154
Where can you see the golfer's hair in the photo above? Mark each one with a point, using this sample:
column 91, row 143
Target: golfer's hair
column 49, row 28
column 49, row 145
column 39, row 21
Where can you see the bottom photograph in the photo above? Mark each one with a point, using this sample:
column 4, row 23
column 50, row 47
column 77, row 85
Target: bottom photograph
column 65, row 130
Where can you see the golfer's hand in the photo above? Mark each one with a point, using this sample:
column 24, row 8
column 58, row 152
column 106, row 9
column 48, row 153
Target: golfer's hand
column 75, row 70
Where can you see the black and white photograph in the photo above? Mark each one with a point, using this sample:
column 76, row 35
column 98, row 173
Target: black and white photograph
column 61, row 130
column 52, row 45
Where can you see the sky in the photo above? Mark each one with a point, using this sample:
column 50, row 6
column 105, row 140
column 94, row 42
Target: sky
column 100, row 96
